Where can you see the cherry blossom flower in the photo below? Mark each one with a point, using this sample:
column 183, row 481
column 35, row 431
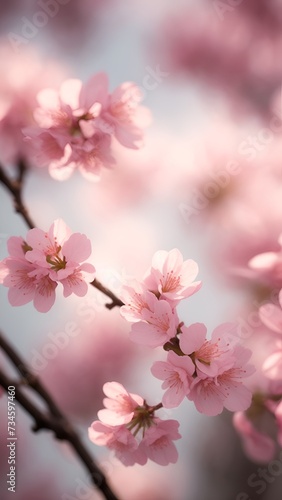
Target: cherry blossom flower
column 171, row 278
column 18, row 90
column 158, row 441
column 271, row 316
column 158, row 325
column 61, row 253
column 205, row 353
column 220, row 369
column 177, row 374
column 120, row 440
column 126, row 116
column 25, row 281
column 268, row 266
column 224, row 389
column 120, row 404
column 136, row 298
column 258, row 446
column 75, row 125
column 35, row 266
column 140, row 436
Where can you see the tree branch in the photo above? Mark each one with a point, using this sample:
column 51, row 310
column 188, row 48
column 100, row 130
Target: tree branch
column 15, row 188
column 55, row 420
column 115, row 300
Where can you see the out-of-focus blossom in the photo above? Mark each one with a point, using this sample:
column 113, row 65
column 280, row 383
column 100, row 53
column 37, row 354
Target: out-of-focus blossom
column 95, row 351
column 268, row 267
column 271, row 316
column 190, row 42
column 258, row 446
column 18, row 89
column 75, row 125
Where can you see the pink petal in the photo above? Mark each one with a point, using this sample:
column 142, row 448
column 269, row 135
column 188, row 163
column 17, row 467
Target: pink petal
column 60, row 231
column 48, row 99
column 239, row 399
column 14, row 245
column 95, row 90
column 44, row 297
column 18, row 297
column 271, row 316
column 69, row 92
column 258, row 446
column 272, row 367
column 143, row 333
column 77, row 248
column 74, row 284
column 192, row 337
column 263, row 261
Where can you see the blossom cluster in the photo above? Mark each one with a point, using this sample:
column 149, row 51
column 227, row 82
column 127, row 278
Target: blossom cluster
column 258, row 441
column 208, row 372
column 128, row 426
column 75, row 125
column 37, row 264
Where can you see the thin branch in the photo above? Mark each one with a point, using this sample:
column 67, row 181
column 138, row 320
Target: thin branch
column 30, row 378
column 15, row 188
column 55, row 420
column 115, row 300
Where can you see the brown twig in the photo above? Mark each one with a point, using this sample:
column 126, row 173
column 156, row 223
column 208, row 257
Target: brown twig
column 53, row 419
column 115, row 300
column 15, row 188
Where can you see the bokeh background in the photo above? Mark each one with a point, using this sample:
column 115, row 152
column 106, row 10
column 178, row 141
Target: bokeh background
column 215, row 72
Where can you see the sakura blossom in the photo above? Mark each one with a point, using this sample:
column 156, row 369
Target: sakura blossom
column 268, row 266
column 75, row 125
column 158, row 441
column 140, row 436
column 26, row 282
column 119, row 405
column 177, row 373
column 170, row 278
column 226, row 388
column 136, row 298
column 157, row 325
column 271, row 316
column 18, row 89
column 37, row 264
column 219, row 369
column 120, row 440
column 257, row 445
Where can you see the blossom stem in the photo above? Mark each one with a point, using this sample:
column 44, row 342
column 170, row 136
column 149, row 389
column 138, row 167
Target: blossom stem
column 115, row 300
column 53, row 419
column 15, row 188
